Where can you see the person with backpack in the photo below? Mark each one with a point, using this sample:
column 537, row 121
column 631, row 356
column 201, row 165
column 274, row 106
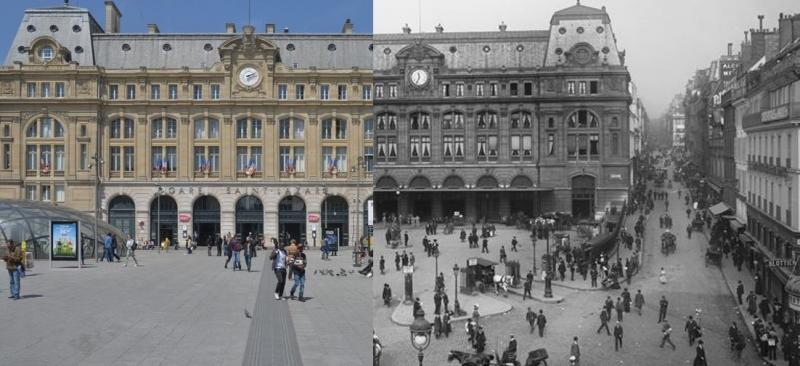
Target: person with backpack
column 130, row 253
column 299, row 273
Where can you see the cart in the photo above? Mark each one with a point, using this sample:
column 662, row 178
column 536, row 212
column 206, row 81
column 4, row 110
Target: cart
column 668, row 243
column 714, row 255
column 537, row 357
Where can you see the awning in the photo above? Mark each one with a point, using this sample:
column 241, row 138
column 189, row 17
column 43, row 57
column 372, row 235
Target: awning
column 745, row 239
column 713, row 186
column 719, row 208
column 736, row 225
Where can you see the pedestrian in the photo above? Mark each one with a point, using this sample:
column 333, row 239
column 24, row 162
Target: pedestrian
column 772, row 345
column 604, row 322
column 764, row 306
column 437, row 326
column 530, row 317
column 218, row 243
column 541, row 321
column 689, row 230
column 739, row 291
column 278, row 258
column 594, row 276
column 617, row 336
column 236, row 248
column 514, row 243
column 475, row 314
column 620, row 308
column 298, row 273
column 502, row 254
column 609, row 306
column 691, row 329
column 437, row 301
column 700, row 356
column 382, row 265
column 626, row 300
column 405, row 238
column 247, row 251
column 445, row 301
column 662, row 277
column 108, row 241
column 575, row 352
column 485, row 247
column 480, row 340
column 404, row 259
column 751, row 303
column 14, row 259
column 562, row 269
column 411, row 260
column 662, row 309
column 114, row 245
column 387, row 294
column 131, row 247
column 397, row 261
column 572, row 266
column 527, row 289
column 666, row 331
column 446, row 324
column 638, row 301
column 228, row 250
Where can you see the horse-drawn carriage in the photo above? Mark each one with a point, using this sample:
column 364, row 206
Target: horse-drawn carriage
column 393, row 235
column 668, row 243
column 537, row 357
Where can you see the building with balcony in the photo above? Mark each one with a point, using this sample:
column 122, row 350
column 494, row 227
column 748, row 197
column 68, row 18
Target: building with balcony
column 490, row 124
column 170, row 134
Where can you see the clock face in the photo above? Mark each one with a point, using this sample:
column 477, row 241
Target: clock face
column 249, row 76
column 419, row 77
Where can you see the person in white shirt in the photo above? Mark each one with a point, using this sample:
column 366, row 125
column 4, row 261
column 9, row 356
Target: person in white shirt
column 131, row 246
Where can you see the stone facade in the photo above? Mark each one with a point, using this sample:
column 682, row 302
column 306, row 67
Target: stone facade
column 225, row 115
column 489, row 124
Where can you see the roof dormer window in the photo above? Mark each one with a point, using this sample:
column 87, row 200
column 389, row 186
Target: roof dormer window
column 31, row 28
column 54, row 28
column 46, row 53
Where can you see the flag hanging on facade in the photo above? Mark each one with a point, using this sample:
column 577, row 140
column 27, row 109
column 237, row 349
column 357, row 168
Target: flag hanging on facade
column 252, row 168
column 157, row 165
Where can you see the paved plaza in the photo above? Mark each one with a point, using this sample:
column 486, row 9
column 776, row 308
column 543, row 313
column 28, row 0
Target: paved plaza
column 691, row 285
column 182, row 309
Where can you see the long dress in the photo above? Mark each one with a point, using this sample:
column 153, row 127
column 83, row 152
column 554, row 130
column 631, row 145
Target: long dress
column 663, row 277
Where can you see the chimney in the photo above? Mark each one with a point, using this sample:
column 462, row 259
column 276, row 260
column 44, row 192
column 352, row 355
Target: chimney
column 795, row 25
column 230, row 27
column 406, row 29
column 270, row 27
column 439, row 28
column 760, row 22
column 757, row 46
column 112, row 17
column 503, row 26
column 347, row 28
column 285, row 29
column 730, row 49
column 153, row 28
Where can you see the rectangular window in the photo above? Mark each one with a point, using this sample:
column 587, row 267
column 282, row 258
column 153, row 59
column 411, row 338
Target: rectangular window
column 528, row 88
column 414, row 147
column 31, row 90
column 447, row 146
column 527, row 145
column 570, row 87
column 392, row 91
column 130, row 92
column 284, row 126
column 299, row 159
column 445, row 90
column 241, row 129
column 285, row 159
column 341, row 159
column 84, row 158
column 391, row 145
column 493, row 146
column 512, row 89
column 173, row 91
column 157, row 156
column 342, row 89
column 199, row 158
column 282, row 92
column 369, row 158
column 172, row 128
column 242, row 162
column 155, row 92
column 172, row 158
column 515, row 145
column 256, row 129
column 215, row 91
column 583, row 146
column 59, row 158
column 299, row 91
column 593, row 87
column 213, row 158
column 113, row 92
column 594, row 150
column 197, row 92
column 582, row 87
column 60, row 196
column 459, row 90
column 482, row 147
column 199, row 129
column 298, row 132
column 46, row 90
column 327, row 129
column 59, row 90
column 30, row 193
column 369, row 129
column 366, row 92
column 116, row 129
column 378, row 91
column 341, row 129
column 115, row 165
column 6, row 156
column 157, row 131
column 46, row 193
column 479, row 90
column 458, row 147
column 493, row 90
column 328, row 159
column 324, row 92
column 129, row 158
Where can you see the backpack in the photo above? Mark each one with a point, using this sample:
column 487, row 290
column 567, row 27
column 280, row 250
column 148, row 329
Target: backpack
column 134, row 246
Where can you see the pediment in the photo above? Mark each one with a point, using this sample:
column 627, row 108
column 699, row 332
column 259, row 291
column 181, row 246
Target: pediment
column 419, row 51
column 248, row 45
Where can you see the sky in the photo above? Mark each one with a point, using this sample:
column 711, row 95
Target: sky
column 207, row 16
column 665, row 40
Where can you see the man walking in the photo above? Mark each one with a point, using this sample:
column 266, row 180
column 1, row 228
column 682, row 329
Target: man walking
column 751, row 303
column 13, row 259
column 502, row 254
column 218, row 243
column 603, row 322
column 662, row 309
column 594, row 276
column 691, row 329
column 514, row 243
column 700, row 356
column 617, row 336
column 485, row 247
column 666, row 331
column 236, row 248
column 437, row 301
column 108, row 242
column 299, row 273
column 575, row 352
column 130, row 253
column 619, row 307
column 530, row 316
column 405, row 238
column 527, row 286
column 540, row 322
column 278, row 258
column 638, row 301
column 739, row 291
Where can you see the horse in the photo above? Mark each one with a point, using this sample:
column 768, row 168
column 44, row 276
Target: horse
column 502, row 282
column 470, row 359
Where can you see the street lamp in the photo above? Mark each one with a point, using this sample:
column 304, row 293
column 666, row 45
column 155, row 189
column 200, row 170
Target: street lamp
column 436, row 272
column 97, row 161
column 548, row 279
column 420, row 334
column 456, row 306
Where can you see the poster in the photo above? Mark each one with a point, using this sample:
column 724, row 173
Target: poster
column 64, row 240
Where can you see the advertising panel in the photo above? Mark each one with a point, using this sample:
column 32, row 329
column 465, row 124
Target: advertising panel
column 64, row 240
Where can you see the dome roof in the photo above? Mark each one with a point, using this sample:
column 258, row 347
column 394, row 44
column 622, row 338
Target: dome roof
column 30, row 221
column 577, row 12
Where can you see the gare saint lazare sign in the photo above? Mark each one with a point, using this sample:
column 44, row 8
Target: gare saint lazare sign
column 228, row 190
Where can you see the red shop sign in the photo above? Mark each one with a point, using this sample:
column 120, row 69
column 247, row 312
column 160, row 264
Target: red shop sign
column 313, row 218
column 184, row 217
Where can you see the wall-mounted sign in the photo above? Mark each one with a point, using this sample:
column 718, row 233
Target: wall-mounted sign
column 794, row 302
column 775, row 114
column 615, row 176
column 313, row 218
column 185, row 217
column 369, row 213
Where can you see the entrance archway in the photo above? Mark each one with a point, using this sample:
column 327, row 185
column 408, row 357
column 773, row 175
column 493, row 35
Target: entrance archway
column 292, row 218
column 205, row 219
column 335, row 218
column 164, row 218
column 583, row 187
column 249, row 216
column 122, row 214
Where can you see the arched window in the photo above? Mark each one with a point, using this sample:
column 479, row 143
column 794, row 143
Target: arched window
column 206, row 128
column 42, row 154
column 164, row 128
column 121, row 128
column 487, row 119
column 387, row 121
column 583, row 145
column 582, row 119
column 420, row 121
column 521, row 119
column 452, row 120
column 291, row 129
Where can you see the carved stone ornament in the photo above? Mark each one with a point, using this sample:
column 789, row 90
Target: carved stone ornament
column 418, row 51
column 582, row 54
column 8, row 88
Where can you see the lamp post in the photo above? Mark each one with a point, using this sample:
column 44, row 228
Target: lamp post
column 97, row 161
column 548, row 279
column 420, row 334
column 456, row 305
column 436, row 272
column 397, row 193
column 158, row 214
